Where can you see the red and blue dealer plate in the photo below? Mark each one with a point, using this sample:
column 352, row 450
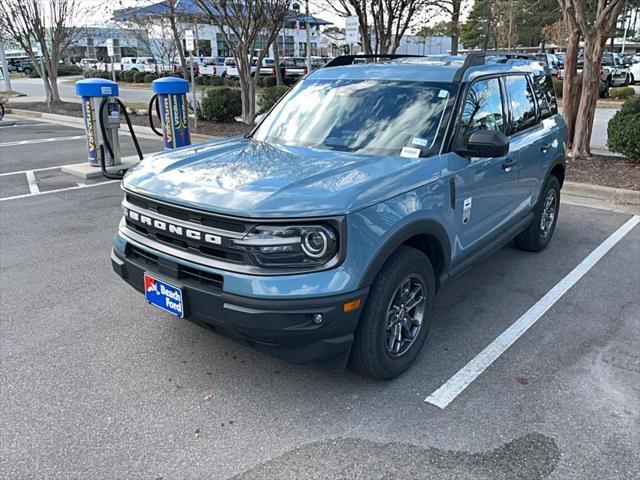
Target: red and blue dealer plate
column 164, row 296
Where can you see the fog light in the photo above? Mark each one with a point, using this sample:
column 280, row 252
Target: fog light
column 317, row 318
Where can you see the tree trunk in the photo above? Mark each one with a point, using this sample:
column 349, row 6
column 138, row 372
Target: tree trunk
column 247, row 86
column 593, row 49
column 571, row 84
column 177, row 40
column 455, row 27
column 276, row 59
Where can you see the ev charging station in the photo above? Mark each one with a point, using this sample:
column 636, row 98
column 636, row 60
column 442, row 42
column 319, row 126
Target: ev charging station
column 101, row 109
column 170, row 93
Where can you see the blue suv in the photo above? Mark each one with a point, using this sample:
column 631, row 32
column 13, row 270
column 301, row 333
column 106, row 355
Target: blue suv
column 324, row 235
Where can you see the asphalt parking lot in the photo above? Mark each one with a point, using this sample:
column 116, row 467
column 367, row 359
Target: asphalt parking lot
column 97, row 384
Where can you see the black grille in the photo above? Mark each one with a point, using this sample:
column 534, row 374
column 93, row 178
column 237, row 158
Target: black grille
column 188, row 275
column 192, row 216
column 225, row 250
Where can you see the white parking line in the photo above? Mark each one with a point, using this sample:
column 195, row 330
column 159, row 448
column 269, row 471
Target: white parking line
column 444, row 395
column 39, row 140
column 15, row 197
column 33, row 170
column 31, row 180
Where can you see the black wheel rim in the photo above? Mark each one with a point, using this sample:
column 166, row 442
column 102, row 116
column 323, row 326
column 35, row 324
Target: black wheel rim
column 405, row 315
column 548, row 215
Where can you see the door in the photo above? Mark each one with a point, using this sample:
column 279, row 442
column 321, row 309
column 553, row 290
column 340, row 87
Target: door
column 486, row 189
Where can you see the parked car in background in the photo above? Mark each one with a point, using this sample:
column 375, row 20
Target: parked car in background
column 294, row 68
column 21, row 65
column 553, row 62
column 268, row 67
column 613, row 72
column 212, row 66
column 138, row 64
column 634, row 69
column 232, row 68
column 88, row 63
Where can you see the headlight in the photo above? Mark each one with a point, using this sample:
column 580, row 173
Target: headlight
column 290, row 245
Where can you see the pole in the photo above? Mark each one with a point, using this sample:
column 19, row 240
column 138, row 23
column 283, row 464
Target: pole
column 306, row 21
column 193, row 92
column 5, row 69
column 113, row 70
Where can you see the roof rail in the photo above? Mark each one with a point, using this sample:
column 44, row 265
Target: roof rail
column 343, row 60
column 479, row 58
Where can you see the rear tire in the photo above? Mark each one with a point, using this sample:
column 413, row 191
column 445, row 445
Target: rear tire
column 538, row 234
column 389, row 339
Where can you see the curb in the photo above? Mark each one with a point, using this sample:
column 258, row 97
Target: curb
column 53, row 117
column 615, row 195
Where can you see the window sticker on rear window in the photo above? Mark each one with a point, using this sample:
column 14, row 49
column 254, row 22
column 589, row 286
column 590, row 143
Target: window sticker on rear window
column 421, row 142
column 443, row 94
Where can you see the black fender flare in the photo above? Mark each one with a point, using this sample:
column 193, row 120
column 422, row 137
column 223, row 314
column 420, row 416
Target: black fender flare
column 409, row 230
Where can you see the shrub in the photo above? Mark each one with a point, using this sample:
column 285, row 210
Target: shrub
column 128, row 76
column 269, row 96
column 149, row 77
column 138, row 77
column 105, row 75
column 221, row 104
column 622, row 93
column 623, row 130
column 269, row 81
column 260, row 81
column 63, row 71
column 216, row 81
column 200, row 80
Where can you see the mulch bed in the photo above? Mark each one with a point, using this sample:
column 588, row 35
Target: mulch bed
column 205, row 127
column 605, row 170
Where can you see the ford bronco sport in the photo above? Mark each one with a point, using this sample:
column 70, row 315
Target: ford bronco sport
column 324, row 235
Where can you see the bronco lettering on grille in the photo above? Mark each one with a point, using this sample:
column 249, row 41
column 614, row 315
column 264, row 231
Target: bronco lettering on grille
column 173, row 229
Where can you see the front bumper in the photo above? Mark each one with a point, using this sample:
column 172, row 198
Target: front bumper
column 279, row 327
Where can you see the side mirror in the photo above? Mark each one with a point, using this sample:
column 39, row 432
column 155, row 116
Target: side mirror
column 486, row 143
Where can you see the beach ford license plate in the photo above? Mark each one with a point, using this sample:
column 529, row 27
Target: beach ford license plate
column 164, row 296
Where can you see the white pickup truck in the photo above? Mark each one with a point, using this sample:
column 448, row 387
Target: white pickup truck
column 614, row 72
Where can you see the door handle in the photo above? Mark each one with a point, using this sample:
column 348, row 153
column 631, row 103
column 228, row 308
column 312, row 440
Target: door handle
column 508, row 163
column 545, row 148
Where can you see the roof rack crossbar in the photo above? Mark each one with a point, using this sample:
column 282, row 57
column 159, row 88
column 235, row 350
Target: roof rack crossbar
column 343, row 60
column 479, row 58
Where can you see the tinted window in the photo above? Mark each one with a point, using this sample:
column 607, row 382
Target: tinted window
column 523, row 108
column 482, row 108
column 543, row 87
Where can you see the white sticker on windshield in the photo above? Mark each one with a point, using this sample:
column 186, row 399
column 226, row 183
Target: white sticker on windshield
column 422, row 142
column 443, row 94
column 410, row 152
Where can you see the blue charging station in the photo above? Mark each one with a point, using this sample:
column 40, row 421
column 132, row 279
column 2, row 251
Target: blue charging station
column 172, row 99
column 95, row 91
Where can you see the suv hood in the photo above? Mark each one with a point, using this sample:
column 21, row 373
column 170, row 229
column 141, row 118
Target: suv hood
column 247, row 178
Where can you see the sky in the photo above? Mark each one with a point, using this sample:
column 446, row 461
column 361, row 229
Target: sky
column 102, row 9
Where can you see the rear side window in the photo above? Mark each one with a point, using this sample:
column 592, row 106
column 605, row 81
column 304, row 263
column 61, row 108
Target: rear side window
column 482, row 108
column 543, row 88
column 522, row 105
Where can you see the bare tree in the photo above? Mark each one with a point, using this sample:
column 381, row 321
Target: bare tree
column 48, row 24
column 382, row 22
column 595, row 22
column 171, row 4
column 243, row 23
column 453, row 8
column 155, row 34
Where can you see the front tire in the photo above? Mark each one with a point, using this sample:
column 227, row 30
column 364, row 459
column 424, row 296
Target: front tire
column 395, row 321
column 538, row 234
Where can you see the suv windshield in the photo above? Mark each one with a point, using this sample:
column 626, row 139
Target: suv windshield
column 372, row 117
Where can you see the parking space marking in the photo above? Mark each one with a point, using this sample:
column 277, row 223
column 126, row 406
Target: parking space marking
column 39, row 140
column 32, row 170
column 31, row 180
column 453, row 387
column 15, row 197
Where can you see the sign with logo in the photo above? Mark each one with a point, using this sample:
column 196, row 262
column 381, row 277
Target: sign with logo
column 164, row 296
column 352, row 30
column 188, row 40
